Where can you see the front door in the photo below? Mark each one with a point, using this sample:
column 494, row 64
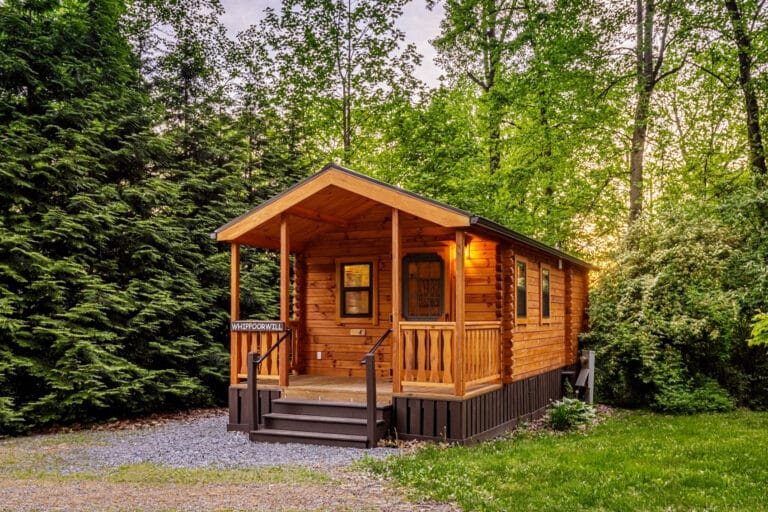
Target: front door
column 423, row 287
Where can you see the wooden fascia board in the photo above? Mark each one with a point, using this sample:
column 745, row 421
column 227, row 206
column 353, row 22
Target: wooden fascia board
column 380, row 193
column 403, row 201
column 272, row 209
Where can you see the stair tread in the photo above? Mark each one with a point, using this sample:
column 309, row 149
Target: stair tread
column 306, row 434
column 328, row 403
column 319, row 419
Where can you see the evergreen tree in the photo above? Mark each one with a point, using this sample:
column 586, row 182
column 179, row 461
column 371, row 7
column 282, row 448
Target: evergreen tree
column 102, row 310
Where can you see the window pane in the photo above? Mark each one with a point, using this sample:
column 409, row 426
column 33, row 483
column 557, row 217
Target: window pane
column 357, row 275
column 522, row 297
column 357, row 303
column 356, row 289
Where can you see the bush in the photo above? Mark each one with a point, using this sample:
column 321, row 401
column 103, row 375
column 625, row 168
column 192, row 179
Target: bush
column 569, row 413
column 684, row 398
column 666, row 319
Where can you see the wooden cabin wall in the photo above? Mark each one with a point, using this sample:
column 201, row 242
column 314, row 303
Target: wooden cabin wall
column 369, row 237
column 340, row 346
column 529, row 347
column 480, row 281
column 578, row 292
column 538, row 344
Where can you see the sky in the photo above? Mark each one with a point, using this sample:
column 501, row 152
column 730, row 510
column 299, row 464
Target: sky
column 419, row 24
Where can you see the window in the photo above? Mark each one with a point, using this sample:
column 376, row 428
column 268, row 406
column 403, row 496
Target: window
column 356, row 290
column 522, row 298
column 545, row 293
column 423, row 285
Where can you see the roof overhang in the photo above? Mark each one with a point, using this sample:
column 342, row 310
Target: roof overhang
column 335, row 197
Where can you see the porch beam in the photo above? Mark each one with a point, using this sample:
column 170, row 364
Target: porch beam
column 285, row 287
column 458, row 351
column 234, row 311
column 306, row 213
column 397, row 282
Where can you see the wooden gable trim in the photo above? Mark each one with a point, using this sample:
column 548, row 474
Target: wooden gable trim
column 351, row 182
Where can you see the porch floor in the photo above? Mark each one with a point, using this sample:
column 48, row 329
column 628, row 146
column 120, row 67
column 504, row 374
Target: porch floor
column 352, row 389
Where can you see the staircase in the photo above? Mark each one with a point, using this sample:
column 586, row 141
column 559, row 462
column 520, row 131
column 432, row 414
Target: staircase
column 294, row 420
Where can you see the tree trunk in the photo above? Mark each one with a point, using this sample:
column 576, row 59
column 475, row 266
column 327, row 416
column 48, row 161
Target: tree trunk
column 751, row 106
column 645, row 85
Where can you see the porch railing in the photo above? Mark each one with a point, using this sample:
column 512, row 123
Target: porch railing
column 482, row 352
column 245, row 341
column 427, row 353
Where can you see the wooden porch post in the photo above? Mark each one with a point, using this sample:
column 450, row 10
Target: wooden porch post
column 458, row 351
column 234, row 311
column 285, row 276
column 397, row 364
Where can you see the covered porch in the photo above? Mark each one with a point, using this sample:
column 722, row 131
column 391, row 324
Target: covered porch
column 367, row 268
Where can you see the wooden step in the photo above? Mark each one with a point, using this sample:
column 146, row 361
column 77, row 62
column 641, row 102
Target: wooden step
column 326, row 408
column 325, row 424
column 321, row 438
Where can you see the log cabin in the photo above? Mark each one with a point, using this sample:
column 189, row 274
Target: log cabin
column 399, row 315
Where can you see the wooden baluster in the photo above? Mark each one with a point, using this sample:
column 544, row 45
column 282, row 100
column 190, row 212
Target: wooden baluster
column 488, row 353
column 421, row 355
column 434, row 355
column 243, row 346
column 469, row 355
column 492, row 351
column 479, row 346
column 264, row 344
column 409, row 356
column 470, row 344
column 447, row 356
column 273, row 358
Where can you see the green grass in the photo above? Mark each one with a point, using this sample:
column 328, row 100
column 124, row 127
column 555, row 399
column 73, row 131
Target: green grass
column 638, row 461
column 159, row 475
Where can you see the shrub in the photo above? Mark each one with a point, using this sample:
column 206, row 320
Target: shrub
column 569, row 413
column 667, row 321
column 686, row 398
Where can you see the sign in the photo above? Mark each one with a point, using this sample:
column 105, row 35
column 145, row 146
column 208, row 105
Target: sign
column 257, row 326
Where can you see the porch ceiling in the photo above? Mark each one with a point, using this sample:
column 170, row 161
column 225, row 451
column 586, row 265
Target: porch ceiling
column 309, row 219
column 330, row 199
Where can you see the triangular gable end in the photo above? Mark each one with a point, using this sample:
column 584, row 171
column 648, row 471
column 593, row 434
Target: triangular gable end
column 334, row 176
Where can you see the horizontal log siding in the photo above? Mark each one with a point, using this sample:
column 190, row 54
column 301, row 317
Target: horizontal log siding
column 370, row 236
column 480, row 281
column 538, row 344
column 577, row 317
column 479, row 417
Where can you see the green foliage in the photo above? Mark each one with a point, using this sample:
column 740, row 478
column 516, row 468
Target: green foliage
column 113, row 297
column 639, row 461
column 759, row 329
column 569, row 413
column 668, row 320
column 683, row 398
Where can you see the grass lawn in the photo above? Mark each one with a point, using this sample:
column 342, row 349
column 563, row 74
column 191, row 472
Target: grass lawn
column 635, row 461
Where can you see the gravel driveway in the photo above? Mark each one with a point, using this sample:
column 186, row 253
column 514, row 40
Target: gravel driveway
column 67, row 472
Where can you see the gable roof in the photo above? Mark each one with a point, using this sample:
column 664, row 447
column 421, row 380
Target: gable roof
column 335, row 196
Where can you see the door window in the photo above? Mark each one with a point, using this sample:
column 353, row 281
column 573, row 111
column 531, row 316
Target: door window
column 423, row 287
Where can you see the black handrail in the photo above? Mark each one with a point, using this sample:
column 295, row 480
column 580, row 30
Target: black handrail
column 370, row 389
column 376, row 345
column 273, row 347
column 254, row 360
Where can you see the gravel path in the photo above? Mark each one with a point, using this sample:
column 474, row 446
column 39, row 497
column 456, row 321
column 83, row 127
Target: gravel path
column 77, row 466
column 205, row 443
